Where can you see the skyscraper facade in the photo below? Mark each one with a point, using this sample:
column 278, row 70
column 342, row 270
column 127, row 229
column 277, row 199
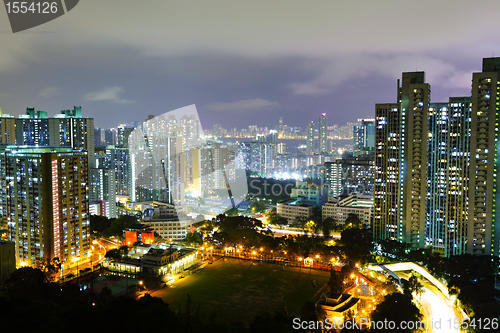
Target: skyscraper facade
column 447, row 175
column 484, row 193
column 260, row 157
column 102, row 187
column 387, row 180
column 322, row 133
column 46, row 202
column 400, row 162
column 333, row 177
column 310, row 137
column 7, row 130
column 67, row 129
column 118, row 159
column 436, row 167
column 363, row 137
column 157, row 163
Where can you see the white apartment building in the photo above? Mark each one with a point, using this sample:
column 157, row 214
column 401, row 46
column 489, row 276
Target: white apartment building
column 339, row 208
column 293, row 210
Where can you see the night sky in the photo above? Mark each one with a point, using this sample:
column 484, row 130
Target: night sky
column 242, row 62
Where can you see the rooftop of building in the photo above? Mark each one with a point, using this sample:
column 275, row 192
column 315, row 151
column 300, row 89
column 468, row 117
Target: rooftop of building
column 157, row 252
column 354, row 200
column 339, row 301
column 126, row 261
column 31, row 113
column 295, row 202
column 137, row 227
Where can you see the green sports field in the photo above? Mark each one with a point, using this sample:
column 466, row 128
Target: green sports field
column 239, row 289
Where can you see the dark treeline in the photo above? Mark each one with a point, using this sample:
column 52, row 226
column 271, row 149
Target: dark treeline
column 102, row 226
column 32, row 304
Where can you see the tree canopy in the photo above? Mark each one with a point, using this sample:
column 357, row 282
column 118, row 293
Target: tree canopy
column 110, row 227
column 398, row 308
column 358, row 245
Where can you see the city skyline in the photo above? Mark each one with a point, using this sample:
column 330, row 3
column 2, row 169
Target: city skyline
column 251, row 164
column 236, row 71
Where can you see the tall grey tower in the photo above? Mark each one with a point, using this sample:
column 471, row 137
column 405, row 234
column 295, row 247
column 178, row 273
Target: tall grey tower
column 322, row 134
column 400, row 163
column 484, row 192
column 310, row 137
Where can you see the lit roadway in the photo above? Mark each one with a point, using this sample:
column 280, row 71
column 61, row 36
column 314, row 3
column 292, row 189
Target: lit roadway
column 110, row 244
column 282, row 232
column 439, row 313
column 99, row 249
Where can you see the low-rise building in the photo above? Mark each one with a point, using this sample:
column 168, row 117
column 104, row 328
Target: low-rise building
column 165, row 222
column 156, row 262
column 339, row 208
column 337, row 305
column 130, row 266
column 138, row 232
column 293, row 210
column 160, row 257
column 171, row 230
column 310, row 193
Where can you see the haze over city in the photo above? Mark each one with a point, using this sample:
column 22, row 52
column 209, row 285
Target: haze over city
column 240, row 62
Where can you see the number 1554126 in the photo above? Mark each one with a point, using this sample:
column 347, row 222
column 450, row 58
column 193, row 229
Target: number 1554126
column 23, row 7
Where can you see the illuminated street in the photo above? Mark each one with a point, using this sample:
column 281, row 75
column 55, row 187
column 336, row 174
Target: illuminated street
column 437, row 309
column 99, row 249
column 439, row 315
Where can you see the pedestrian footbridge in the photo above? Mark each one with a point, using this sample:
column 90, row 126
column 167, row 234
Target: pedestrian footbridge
column 407, row 266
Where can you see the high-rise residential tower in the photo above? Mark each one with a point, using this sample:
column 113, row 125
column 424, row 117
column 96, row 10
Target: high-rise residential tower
column 333, row 177
column 157, row 163
column 447, row 175
column 310, row 137
column 436, row 167
column 484, row 192
column 400, row 163
column 66, row 129
column 102, row 187
column 322, row 133
column 7, row 129
column 118, row 159
column 46, row 202
column 387, row 180
column 363, row 137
